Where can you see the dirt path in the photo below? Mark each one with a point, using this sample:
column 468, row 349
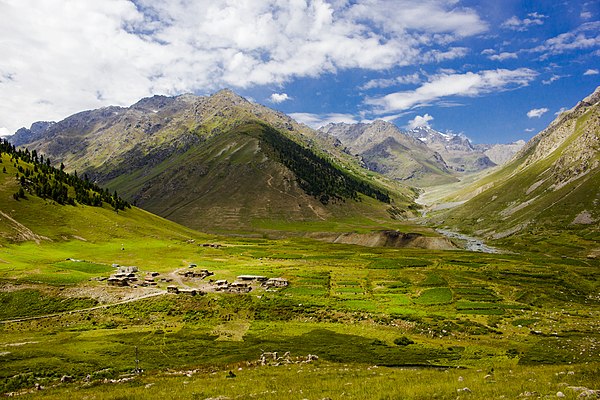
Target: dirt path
column 177, row 278
column 83, row 309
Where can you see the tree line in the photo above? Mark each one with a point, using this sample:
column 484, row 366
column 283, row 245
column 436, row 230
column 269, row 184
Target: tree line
column 38, row 177
column 316, row 175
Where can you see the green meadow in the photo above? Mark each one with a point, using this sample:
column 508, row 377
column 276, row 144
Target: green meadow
column 468, row 315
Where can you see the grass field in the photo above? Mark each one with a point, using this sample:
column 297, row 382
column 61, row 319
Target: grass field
column 347, row 304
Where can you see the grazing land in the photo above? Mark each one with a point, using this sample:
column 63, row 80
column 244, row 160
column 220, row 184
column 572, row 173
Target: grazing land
column 469, row 315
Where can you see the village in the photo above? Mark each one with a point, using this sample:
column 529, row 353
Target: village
column 191, row 281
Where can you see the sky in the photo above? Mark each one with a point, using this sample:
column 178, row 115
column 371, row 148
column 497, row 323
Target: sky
column 494, row 70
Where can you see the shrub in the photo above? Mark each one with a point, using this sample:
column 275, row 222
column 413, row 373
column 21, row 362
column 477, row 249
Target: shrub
column 403, row 341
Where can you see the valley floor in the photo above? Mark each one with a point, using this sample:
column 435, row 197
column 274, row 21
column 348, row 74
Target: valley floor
column 383, row 322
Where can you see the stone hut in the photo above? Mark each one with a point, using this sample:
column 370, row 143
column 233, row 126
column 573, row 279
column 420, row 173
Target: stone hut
column 276, row 283
column 172, row 289
column 239, row 287
column 252, row 278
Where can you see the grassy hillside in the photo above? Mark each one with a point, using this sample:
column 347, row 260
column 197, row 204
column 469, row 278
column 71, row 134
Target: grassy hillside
column 246, row 178
column 547, row 198
column 222, row 164
column 46, row 221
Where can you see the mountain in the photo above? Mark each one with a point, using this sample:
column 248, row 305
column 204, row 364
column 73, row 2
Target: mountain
column 219, row 163
column 500, row 154
column 548, row 196
column 42, row 217
column 35, row 132
column 456, row 150
column 385, row 149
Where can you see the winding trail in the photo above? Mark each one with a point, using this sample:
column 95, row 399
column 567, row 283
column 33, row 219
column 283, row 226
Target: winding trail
column 8, row 321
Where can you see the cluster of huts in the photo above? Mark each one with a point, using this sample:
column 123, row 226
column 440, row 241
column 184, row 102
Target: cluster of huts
column 197, row 274
column 243, row 283
column 128, row 276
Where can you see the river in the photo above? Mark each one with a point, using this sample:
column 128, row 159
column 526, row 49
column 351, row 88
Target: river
column 470, row 243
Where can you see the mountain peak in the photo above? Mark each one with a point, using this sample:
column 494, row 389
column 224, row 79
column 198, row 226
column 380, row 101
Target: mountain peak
column 229, row 96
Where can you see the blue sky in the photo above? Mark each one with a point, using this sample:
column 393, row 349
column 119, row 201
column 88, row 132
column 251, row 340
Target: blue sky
column 494, row 70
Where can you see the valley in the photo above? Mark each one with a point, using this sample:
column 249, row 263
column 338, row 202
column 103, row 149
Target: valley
column 377, row 300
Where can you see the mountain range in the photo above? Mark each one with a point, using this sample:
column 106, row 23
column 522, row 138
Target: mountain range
column 218, row 163
column 223, row 164
column 421, row 156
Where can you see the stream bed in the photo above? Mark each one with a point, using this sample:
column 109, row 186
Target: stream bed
column 470, row 243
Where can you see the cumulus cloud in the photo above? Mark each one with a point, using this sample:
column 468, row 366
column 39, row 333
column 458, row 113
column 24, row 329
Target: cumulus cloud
column 60, row 57
column 537, row 112
column 521, row 25
column 279, row 98
column 502, row 56
column 420, row 121
column 4, row 132
column 316, row 121
column 435, row 16
column 586, row 15
column 470, row 84
column 591, row 72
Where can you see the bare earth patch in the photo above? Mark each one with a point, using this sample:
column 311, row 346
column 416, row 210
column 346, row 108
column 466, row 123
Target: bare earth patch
column 584, row 218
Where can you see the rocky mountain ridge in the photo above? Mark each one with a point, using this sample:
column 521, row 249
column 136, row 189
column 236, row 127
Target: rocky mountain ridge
column 456, row 149
column 421, row 156
column 500, row 153
column 219, row 162
column 385, row 149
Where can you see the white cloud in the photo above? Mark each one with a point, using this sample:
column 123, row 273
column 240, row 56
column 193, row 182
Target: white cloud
column 384, row 83
column 5, row 132
column 529, row 130
column 502, row 56
column 584, row 37
column 450, row 54
column 553, row 78
column 591, row 72
column 316, row 121
column 434, row 16
column 521, row 25
column 59, row 57
column 420, row 121
column 562, row 110
column 279, row 98
column 537, row 112
column 443, row 85
column 586, row 15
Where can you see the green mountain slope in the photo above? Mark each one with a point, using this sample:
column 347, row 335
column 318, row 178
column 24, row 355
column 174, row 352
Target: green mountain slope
column 549, row 195
column 45, row 220
column 251, row 177
column 221, row 163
